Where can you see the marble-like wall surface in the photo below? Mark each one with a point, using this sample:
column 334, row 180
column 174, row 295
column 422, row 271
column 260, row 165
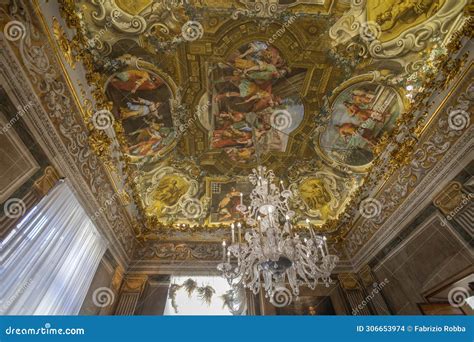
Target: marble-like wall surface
column 430, row 255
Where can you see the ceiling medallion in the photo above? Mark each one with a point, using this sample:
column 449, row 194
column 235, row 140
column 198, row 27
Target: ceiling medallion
column 271, row 249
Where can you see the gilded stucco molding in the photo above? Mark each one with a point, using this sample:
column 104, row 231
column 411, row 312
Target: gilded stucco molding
column 397, row 149
column 394, row 150
column 438, row 148
column 179, row 251
column 355, row 23
column 62, row 126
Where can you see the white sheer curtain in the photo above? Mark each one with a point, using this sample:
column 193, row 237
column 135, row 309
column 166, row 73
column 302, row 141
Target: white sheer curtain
column 50, row 257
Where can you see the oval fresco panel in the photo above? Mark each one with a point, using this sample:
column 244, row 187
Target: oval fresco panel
column 254, row 84
column 360, row 115
column 141, row 101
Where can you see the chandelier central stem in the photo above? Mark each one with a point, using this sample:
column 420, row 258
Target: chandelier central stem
column 273, row 256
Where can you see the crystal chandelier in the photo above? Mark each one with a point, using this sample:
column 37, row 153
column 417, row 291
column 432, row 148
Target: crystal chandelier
column 272, row 251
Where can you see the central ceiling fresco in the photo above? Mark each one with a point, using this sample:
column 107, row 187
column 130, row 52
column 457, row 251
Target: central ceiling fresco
column 201, row 91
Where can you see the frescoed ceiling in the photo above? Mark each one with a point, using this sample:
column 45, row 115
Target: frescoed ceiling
column 198, row 92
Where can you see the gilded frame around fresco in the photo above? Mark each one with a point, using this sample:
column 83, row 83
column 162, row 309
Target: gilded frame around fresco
column 401, row 150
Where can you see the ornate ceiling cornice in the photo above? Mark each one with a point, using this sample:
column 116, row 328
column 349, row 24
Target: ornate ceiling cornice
column 408, row 145
column 58, row 122
column 446, row 143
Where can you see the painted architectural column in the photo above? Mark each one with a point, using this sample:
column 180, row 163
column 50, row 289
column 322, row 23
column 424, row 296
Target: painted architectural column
column 130, row 293
column 354, row 294
column 456, row 203
column 373, row 291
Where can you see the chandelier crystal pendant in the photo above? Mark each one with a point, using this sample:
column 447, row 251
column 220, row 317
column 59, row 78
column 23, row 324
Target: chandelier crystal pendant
column 272, row 251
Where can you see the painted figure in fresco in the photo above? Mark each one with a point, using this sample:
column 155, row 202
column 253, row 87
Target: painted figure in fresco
column 133, row 80
column 229, row 117
column 316, row 196
column 258, row 71
column 245, row 84
column 263, row 71
column 348, row 130
column 239, row 154
column 363, row 114
column 145, row 148
column 314, row 193
column 150, row 140
column 254, row 48
column 231, row 138
column 141, row 102
column 168, row 192
column 141, row 107
column 405, row 9
column 360, row 115
column 362, row 97
column 252, row 93
column 228, row 205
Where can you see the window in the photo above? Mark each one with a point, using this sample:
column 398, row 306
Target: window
column 192, row 303
column 49, row 259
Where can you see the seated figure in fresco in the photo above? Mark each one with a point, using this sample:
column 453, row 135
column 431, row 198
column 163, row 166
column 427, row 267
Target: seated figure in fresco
column 141, row 107
column 409, row 10
column 363, row 114
column 347, row 130
column 271, row 55
column 228, row 205
column 258, row 63
column 133, row 80
column 362, row 97
column 247, row 59
column 229, row 117
column 150, row 140
column 240, row 154
column 254, row 48
column 261, row 51
column 168, row 192
column 231, row 137
column 263, row 71
column 316, row 196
